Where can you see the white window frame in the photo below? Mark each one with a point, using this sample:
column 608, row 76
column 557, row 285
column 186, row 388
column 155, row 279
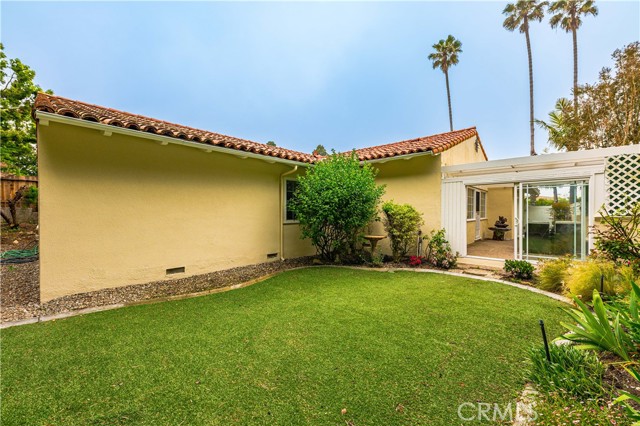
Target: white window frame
column 483, row 213
column 286, row 202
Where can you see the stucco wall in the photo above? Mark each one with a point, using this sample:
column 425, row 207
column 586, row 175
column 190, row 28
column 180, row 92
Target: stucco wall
column 471, row 229
column 120, row 210
column 415, row 181
column 499, row 203
column 463, row 153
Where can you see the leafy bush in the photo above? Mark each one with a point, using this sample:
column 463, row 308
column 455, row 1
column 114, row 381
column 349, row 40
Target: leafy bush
column 553, row 274
column 402, row 222
column 618, row 235
column 561, row 209
column 571, row 371
column 601, row 329
column 31, row 196
column 520, row 269
column 334, row 201
column 584, row 277
column 439, row 251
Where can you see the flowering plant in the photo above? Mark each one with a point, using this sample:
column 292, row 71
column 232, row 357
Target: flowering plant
column 416, row 260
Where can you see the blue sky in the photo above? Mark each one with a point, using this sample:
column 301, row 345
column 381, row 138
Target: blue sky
column 347, row 75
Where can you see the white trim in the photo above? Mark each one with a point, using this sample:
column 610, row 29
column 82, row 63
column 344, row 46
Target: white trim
column 161, row 139
column 537, row 163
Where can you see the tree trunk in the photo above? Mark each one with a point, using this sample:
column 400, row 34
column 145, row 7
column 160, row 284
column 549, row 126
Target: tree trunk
column 575, row 69
column 531, row 122
column 13, row 202
column 446, row 76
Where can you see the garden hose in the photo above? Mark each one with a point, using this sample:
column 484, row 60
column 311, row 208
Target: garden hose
column 19, row 256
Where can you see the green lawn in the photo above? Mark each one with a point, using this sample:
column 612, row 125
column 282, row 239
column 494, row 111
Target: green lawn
column 391, row 348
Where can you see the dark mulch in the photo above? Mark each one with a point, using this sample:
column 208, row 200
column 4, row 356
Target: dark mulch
column 616, row 376
column 20, row 289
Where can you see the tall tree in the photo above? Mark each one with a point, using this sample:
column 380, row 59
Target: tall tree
column 17, row 128
column 568, row 15
column 320, row 150
column 519, row 15
column 609, row 113
column 445, row 56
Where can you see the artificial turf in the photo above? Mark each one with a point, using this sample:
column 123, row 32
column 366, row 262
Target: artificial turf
column 298, row 348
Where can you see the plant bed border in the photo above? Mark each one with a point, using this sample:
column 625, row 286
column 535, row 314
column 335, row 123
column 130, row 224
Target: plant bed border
column 221, row 289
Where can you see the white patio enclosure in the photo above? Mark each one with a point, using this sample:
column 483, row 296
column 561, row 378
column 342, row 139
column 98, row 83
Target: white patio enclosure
column 549, row 202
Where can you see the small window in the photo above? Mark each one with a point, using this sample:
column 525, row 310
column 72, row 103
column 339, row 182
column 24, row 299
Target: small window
column 476, row 203
column 470, row 203
column 291, row 187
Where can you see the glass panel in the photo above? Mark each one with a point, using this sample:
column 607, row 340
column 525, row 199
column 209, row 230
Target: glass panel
column 555, row 219
column 291, row 187
column 470, row 195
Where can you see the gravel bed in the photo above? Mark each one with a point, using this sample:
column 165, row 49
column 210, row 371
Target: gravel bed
column 19, row 291
column 20, row 288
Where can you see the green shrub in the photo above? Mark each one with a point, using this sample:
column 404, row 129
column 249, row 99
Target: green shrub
column 520, row 269
column 334, row 201
column 402, row 222
column 584, row 277
column 571, row 371
column 602, row 329
column 438, row 252
column 618, row 236
column 561, row 209
column 553, row 274
column 31, row 196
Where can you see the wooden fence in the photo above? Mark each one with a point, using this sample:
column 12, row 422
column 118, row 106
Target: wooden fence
column 9, row 184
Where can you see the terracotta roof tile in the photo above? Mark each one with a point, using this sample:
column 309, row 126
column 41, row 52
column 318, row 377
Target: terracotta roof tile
column 76, row 109
column 434, row 143
column 81, row 110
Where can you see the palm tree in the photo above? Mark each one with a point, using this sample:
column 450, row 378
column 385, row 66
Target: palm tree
column 568, row 15
column 519, row 15
column 445, row 56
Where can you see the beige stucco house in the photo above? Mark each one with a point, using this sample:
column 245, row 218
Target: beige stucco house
column 126, row 199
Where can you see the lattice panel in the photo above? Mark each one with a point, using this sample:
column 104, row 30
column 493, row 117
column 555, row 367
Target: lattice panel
column 622, row 181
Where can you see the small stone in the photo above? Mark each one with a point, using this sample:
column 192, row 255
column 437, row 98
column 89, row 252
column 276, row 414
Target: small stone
column 344, row 411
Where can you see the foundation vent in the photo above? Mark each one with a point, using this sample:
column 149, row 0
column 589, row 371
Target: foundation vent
column 272, row 255
column 178, row 270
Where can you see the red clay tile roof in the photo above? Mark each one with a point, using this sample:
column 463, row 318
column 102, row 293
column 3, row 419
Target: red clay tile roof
column 76, row 109
column 81, row 110
column 434, row 143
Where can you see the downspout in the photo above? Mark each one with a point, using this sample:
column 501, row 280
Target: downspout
column 281, row 213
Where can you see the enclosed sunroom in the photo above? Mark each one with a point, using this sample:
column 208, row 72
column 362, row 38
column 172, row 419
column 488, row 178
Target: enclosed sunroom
column 546, row 204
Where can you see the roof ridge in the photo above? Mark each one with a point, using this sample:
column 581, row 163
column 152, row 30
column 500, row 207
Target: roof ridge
column 419, row 138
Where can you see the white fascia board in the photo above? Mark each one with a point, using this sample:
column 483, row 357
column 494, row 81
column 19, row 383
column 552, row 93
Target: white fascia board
column 545, row 161
column 539, row 175
column 161, row 139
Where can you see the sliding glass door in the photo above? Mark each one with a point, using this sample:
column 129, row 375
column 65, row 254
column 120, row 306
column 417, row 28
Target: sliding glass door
column 554, row 219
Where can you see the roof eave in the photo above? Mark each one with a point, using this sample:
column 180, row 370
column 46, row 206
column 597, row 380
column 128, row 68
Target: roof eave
column 400, row 157
column 45, row 117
